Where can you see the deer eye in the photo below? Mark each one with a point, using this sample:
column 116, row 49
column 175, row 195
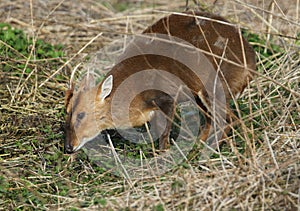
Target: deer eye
column 80, row 116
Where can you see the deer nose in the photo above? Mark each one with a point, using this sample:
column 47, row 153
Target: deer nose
column 68, row 149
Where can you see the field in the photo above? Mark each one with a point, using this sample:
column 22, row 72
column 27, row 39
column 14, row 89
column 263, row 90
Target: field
column 41, row 42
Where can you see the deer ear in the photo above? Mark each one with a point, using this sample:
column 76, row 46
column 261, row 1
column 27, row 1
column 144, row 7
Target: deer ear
column 106, row 87
column 68, row 96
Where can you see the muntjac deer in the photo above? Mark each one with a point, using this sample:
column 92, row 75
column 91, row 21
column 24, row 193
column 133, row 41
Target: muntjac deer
column 89, row 109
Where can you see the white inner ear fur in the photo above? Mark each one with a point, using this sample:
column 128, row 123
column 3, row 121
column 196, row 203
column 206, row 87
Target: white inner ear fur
column 106, row 87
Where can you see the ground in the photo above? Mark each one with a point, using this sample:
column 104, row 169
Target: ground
column 258, row 167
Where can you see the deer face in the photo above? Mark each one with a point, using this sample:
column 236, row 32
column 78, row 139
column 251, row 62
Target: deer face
column 88, row 113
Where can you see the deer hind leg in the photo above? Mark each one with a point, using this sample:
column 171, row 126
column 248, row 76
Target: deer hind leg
column 206, row 130
column 231, row 121
column 215, row 132
column 166, row 104
column 203, row 104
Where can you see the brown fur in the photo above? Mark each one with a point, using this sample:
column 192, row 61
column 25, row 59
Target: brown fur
column 203, row 34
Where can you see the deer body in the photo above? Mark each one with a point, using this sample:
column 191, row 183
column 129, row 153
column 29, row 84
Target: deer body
column 92, row 104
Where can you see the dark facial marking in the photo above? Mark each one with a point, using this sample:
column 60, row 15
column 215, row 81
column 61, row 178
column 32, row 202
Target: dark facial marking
column 76, row 102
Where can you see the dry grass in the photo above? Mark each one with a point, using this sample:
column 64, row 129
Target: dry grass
column 35, row 174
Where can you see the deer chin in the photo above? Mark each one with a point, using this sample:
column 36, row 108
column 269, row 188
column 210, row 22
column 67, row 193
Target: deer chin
column 84, row 141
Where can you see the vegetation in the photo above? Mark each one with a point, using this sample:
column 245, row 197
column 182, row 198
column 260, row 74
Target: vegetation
column 257, row 167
